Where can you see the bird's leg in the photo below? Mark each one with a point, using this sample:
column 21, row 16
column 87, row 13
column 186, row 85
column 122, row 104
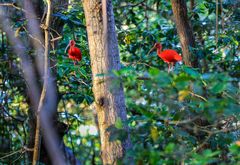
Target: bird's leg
column 75, row 62
column 172, row 66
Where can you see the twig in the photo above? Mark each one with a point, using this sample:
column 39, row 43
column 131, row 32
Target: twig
column 27, row 149
column 72, row 116
column 80, row 81
column 59, row 35
column 211, row 133
column 203, row 143
column 222, row 17
column 179, row 122
column 10, row 154
column 19, row 157
column 68, row 123
column 143, row 78
column 132, row 5
column 56, row 38
column 196, row 95
column 142, row 4
column 2, row 42
column 14, row 6
column 146, row 17
column 192, row 4
column 228, row 95
column 34, row 38
column 22, row 151
column 216, row 24
column 14, row 118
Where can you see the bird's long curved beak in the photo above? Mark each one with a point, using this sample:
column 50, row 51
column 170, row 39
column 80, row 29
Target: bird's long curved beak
column 67, row 48
column 151, row 50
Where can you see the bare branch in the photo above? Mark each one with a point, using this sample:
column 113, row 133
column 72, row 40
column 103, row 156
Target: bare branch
column 44, row 90
column 13, row 5
column 45, row 107
column 216, row 30
column 198, row 96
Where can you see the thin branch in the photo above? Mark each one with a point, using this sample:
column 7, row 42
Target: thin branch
column 181, row 122
column 129, row 5
column 192, row 5
column 216, row 37
column 203, row 143
column 222, row 17
column 210, row 133
column 143, row 78
column 14, row 6
column 59, row 35
column 22, row 150
column 68, row 123
column 11, row 153
column 56, row 38
column 28, row 149
column 14, row 118
column 2, row 42
column 140, row 4
column 198, row 96
column 34, row 38
column 19, row 157
column 146, row 16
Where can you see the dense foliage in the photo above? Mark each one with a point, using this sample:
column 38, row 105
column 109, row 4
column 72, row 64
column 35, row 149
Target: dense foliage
column 190, row 115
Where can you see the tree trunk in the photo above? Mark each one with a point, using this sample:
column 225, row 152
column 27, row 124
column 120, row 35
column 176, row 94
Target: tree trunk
column 56, row 24
column 109, row 99
column 184, row 31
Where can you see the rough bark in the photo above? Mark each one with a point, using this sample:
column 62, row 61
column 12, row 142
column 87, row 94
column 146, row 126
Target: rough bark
column 184, row 31
column 109, row 99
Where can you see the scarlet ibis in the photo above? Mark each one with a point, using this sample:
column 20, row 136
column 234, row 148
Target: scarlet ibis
column 169, row 56
column 74, row 52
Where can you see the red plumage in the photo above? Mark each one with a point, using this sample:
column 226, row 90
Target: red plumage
column 74, row 53
column 169, row 56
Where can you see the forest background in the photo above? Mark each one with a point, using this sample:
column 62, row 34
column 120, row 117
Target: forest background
column 187, row 116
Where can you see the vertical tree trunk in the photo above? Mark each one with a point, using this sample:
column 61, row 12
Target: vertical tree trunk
column 110, row 104
column 56, row 24
column 184, row 31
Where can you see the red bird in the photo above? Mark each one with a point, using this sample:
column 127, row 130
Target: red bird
column 169, row 56
column 74, row 53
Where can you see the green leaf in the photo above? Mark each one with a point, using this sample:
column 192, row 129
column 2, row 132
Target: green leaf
column 202, row 11
column 192, row 72
column 61, row 16
column 119, row 123
column 218, row 87
column 209, row 153
column 154, row 71
column 169, row 148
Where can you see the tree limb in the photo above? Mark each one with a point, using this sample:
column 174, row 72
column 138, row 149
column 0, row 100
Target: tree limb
column 44, row 90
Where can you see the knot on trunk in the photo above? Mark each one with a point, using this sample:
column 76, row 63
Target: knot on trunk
column 100, row 101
